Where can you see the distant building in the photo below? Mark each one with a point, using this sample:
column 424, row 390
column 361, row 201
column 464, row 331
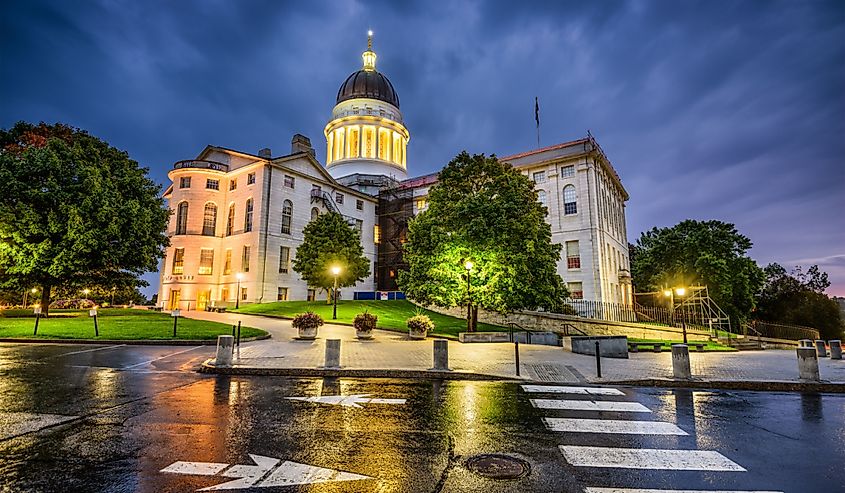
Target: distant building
column 241, row 215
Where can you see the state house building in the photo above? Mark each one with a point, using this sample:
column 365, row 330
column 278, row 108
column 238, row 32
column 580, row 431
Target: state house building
column 238, row 217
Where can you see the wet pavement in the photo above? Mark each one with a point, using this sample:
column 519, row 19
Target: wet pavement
column 135, row 418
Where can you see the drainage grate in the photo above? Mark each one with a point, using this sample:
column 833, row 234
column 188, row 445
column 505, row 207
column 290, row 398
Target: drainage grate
column 553, row 373
column 498, row 466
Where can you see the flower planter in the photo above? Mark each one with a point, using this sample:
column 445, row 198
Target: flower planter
column 307, row 324
column 309, row 333
column 364, row 334
column 364, row 324
column 416, row 334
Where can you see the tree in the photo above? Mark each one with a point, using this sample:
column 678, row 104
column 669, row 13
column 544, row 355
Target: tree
column 798, row 298
column 329, row 241
column 709, row 253
column 74, row 212
column 486, row 212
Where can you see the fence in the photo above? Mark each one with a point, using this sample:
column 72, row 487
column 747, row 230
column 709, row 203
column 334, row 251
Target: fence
column 782, row 331
column 654, row 315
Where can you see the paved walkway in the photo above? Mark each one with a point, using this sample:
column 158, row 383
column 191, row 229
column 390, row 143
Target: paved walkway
column 394, row 351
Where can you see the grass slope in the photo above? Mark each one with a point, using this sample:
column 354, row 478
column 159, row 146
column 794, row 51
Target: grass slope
column 122, row 324
column 391, row 314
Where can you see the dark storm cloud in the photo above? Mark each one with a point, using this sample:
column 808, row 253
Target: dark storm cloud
column 726, row 110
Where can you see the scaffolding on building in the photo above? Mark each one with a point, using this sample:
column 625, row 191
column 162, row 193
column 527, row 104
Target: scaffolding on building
column 694, row 307
column 395, row 210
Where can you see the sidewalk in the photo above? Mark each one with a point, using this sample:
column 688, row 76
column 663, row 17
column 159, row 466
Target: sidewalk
column 394, row 351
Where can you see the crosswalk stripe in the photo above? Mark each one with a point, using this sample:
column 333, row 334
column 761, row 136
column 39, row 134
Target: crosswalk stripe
column 612, row 426
column 631, row 407
column 592, row 489
column 632, row 458
column 557, row 389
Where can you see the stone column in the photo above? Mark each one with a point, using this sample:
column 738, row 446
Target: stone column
column 835, row 349
column 808, row 364
column 225, row 345
column 441, row 355
column 332, row 353
column 681, row 361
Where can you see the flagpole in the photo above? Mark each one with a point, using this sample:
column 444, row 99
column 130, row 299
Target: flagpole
column 537, row 118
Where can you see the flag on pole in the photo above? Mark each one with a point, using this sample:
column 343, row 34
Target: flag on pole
column 537, row 118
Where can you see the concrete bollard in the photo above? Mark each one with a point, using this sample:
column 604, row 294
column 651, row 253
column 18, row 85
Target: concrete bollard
column 808, row 364
column 821, row 350
column 332, row 353
column 225, row 344
column 680, row 361
column 441, row 355
column 805, row 343
column 835, row 349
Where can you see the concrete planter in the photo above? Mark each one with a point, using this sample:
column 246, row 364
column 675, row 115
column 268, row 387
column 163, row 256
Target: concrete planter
column 364, row 334
column 416, row 334
column 308, row 334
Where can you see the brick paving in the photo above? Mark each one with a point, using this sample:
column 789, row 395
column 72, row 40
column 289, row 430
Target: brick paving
column 394, row 351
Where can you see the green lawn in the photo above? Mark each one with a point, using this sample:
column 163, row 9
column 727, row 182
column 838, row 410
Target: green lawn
column 123, row 324
column 709, row 345
column 391, row 314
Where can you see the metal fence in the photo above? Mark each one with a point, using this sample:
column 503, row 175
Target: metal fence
column 782, row 331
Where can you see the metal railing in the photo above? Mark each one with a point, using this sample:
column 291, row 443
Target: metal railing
column 202, row 164
column 515, row 326
column 782, row 331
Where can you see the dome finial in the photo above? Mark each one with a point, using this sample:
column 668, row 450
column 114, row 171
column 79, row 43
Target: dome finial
column 370, row 40
column 369, row 56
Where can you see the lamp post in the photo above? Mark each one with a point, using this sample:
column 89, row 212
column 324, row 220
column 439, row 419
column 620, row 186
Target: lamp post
column 670, row 293
column 239, row 276
column 26, row 293
column 468, row 267
column 86, row 292
column 335, row 273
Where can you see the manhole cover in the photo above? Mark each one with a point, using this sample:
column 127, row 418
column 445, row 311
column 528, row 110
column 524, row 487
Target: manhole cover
column 498, row 466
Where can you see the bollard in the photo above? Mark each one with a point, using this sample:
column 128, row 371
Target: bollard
column 598, row 360
column 805, row 343
column 332, row 353
column 225, row 344
column 441, row 355
column 516, row 355
column 808, row 364
column 821, row 350
column 680, row 362
column 835, row 349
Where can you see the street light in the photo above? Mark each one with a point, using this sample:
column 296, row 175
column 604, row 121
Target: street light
column 670, row 293
column 239, row 276
column 335, row 272
column 26, row 293
column 468, row 266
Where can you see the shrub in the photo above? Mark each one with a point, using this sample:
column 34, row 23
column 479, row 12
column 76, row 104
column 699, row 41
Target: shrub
column 307, row 320
column 365, row 322
column 79, row 303
column 420, row 323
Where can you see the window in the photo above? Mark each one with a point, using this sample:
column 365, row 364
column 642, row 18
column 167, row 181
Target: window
column 290, row 181
column 541, row 197
column 243, row 294
column 227, row 266
column 284, row 260
column 576, row 290
column 206, row 262
column 282, row 294
column 287, row 215
column 573, row 256
column 224, row 294
column 230, row 220
column 369, row 141
column 212, row 184
column 570, row 206
column 540, row 177
column 567, row 171
column 421, row 204
column 359, row 226
column 359, row 204
column 314, row 213
column 352, row 142
column 182, row 218
column 376, row 234
column 312, row 295
column 178, row 261
column 338, row 197
column 209, row 219
column 245, row 259
column 233, row 184
column 316, row 191
column 248, row 216
column 250, row 178
column 185, row 182
column 383, row 144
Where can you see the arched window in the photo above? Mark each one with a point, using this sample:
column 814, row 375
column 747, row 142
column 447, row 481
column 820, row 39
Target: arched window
column 314, row 213
column 541, row 197
column 570, row 206
column 248, row 216
column 230, row 220
column 287, row 216
column 182, row 218
column 209, row 219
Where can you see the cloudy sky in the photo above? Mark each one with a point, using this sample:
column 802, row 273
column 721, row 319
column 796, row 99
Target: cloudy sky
column 709, row 110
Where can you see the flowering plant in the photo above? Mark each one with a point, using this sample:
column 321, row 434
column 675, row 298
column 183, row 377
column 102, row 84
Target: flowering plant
column 365, row 322
column 420, row 323
column 307, row 320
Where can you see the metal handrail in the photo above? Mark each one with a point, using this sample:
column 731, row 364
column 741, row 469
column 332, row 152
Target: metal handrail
column 514, row 325
column 566, row 327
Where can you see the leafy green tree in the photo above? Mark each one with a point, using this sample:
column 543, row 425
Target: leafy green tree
column 329, row 241
column 74, row 212
column 798, row 298
column 486, row 212
column 709, row 253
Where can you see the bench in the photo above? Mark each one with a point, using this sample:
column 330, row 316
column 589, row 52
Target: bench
column 156, row 308
column 699, row 346
column 634, row 347
column 216, row 309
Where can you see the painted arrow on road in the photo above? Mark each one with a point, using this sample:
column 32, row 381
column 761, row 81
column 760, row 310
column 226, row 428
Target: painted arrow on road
column 267, row 472
column 347, row 400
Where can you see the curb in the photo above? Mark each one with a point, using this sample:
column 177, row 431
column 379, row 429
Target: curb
column 130, row 342
column 770, row 386
column 208, row 368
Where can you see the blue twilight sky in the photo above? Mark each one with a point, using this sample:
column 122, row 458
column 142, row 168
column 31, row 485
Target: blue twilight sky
column 709, row 110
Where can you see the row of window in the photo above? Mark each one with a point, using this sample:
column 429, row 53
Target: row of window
column 570, row 201
column 212, row 184
column 365, row 141
column 206, row 267
column 565, row 172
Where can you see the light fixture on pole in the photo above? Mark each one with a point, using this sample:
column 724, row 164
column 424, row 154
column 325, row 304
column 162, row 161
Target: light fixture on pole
column 239, row 276
column 670, row 293
column 468, row 266
column 26, row 294
column 335, row 273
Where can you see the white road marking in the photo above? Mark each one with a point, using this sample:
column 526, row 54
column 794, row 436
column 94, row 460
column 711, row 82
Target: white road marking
column 16, row 424
column 163, row 357
column 347, row 400
column 612, row 426
column 195, row 468
column 557, row 389
column 632, row 458
column 291, row 473
column 246, row 475
column 92, row 350
column 592, row 489
column 631, row 407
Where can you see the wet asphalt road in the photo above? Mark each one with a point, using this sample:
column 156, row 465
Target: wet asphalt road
column 83, row 418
